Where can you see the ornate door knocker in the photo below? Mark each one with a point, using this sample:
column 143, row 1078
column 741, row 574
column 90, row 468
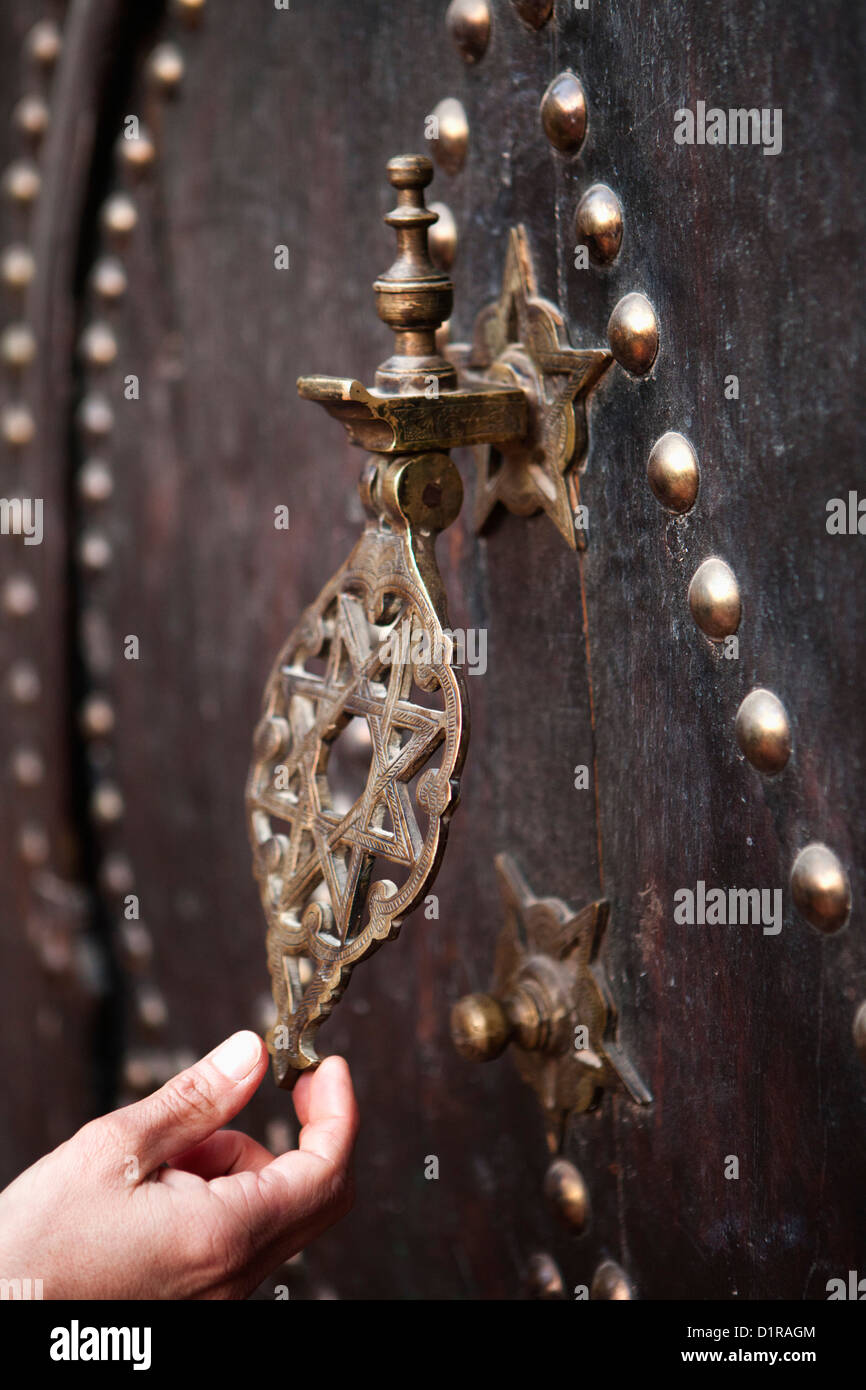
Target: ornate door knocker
column 374, row 646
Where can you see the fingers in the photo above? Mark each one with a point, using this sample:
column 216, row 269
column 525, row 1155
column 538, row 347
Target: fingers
column 190, row 1107
column 227, row 1151
column 305, row 1190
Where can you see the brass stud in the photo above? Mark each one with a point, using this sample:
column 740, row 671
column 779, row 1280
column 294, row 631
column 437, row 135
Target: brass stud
column 21, row 182
column 480, row 1028
column 95, row 481
column 33, row 845
column 116, row 876
column 820, row 888
column 543, row 1279
column 28, row 767
column 135, row 942
column 442, row 237
column 633, row 334
column 714, row 598
column 763, row 731
column 563, row 113
column 190, row 11
column 17, row 425
column 567, row 1194
column 119, row 215
column 609, row 1282
column 97, row 717
column 449, row 149
column 19, row 596
column 98, row 344
column 106, row 804
column 468, row 23
column 672, row 472
column 31, row 116
column 137, row 152
column 152, row 1009
column 109, row 278
column 95, row 416
column 44, row 43
column 18, row 345
column 94, row 551
column 23, row 683
column 165, row 66
column 859, row 1031
column 17, row 267
column 598, row 223
column 535, row 13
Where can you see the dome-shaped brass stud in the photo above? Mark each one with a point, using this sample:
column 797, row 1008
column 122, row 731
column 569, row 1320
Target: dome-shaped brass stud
column 763, row 731
column 480, row 1030
column 190, row 11
column 27, row 767
column 96, row 717
column 610, row 1282
column 137, row 151
column 98, row 344
column 535, row 13
column 95, row 481
column 442, row 237
column 95, row 416
column 165, row 66
column 714, row 598
column 820, row 888
column 33, row 846
column 106, row 804
column 449, row 148
column 18, row 345
column 17, row 425
column 17, row 267
column 44, row 43
column 94, row 551
column 672, row 472
column 468, row 23
column 151, row 1008
column 567, row 1194
column 20, row 598
column 119, row 215
column 21, row 182
column 23, row 683
column 109, row 278
column 31, row 116
column 563, row 113
column 859, row 1031
column 633, row 334
column 543, row 1279
column 598, row 223
column 116, row 876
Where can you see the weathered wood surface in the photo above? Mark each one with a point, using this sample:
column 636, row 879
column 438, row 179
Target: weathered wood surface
column 280, row 135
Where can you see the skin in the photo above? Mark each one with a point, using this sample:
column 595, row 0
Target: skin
column 156, row 1200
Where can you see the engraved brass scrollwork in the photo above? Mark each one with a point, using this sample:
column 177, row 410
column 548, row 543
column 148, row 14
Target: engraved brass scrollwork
column 374, row 649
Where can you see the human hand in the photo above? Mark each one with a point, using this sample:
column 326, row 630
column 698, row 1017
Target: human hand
column 102, row 1216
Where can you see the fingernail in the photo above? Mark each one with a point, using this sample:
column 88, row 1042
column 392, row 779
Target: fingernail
column 237, row 1056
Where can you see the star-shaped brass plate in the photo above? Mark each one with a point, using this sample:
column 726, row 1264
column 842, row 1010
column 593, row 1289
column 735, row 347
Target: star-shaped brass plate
column 550, row 954
column 521, row 340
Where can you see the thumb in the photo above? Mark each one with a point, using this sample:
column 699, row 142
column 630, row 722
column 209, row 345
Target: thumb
column 195, row 1103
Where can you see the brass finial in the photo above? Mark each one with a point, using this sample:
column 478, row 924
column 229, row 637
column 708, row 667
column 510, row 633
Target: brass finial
column 413, row 297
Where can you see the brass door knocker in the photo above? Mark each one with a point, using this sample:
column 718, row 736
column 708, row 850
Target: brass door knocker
column 374, row 646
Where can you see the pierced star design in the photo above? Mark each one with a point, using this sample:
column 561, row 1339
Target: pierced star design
column 323, row 844
column 522, row 338
column 571, row 1075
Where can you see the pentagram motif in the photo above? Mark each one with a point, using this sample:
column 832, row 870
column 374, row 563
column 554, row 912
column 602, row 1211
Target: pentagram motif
column 552, row 949
column 521, row 340
column 385, row 662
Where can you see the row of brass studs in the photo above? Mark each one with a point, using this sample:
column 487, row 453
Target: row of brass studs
column 98, row 346
column 21, row 185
